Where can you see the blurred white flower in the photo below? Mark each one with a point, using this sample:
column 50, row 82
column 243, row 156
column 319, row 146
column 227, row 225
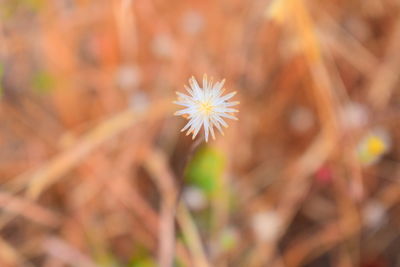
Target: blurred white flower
column 162, row 45
column 205, row 106
column 354, row 115
column 301, row 119
column 266, row 225
column 139, row 101
column 194, row 198
column 374, row 214
column 192, row 22
column 128, row 76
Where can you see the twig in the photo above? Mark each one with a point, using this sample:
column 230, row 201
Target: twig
column 191, row 236
column 40, row 179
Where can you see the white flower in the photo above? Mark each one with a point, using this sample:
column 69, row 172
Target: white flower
column 374, row 214
column 266, row 225
column 205, row 106
column 194, row 198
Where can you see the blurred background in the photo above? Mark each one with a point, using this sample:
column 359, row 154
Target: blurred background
column 94, row 170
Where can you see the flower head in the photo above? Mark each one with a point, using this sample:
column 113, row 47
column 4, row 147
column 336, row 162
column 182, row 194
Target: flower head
column 205, row 106
column 373, row 146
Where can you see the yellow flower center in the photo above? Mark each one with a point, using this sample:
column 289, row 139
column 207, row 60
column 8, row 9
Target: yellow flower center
column 375, row 146
column 206, row 108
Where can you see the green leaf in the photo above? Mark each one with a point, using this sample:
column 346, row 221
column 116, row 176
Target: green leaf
column 10, row 8
column 145, row 262
column 107, row 260
column 35, row 5
column 43, row 82
column 228, row 239
column 142, row 258
column 205, row 169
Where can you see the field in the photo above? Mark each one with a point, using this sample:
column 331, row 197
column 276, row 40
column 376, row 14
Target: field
column 94, row 167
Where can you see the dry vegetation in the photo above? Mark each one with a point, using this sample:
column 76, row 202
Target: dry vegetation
column 95, row 172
